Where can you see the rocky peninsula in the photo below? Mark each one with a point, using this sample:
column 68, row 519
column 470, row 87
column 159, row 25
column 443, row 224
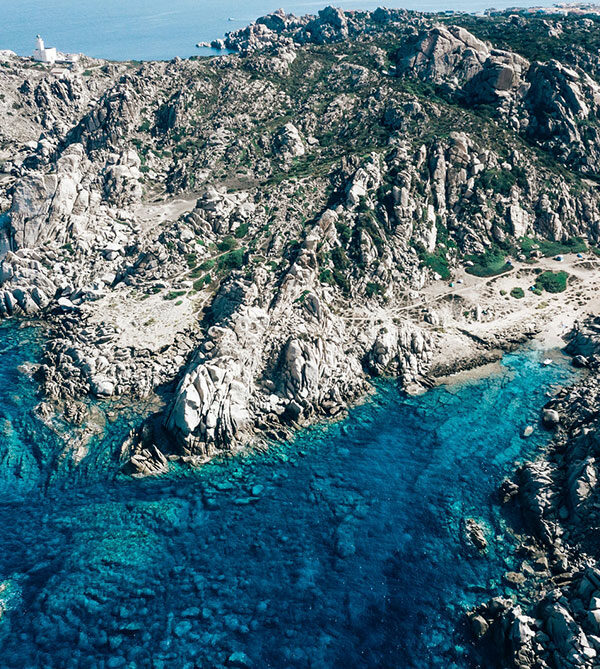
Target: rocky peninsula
column 247, row 240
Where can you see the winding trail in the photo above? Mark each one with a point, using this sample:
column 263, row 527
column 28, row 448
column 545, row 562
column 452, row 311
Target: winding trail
column 473, row 283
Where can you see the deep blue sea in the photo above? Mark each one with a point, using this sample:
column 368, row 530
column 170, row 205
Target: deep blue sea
column 340, row 549
column 156, row 29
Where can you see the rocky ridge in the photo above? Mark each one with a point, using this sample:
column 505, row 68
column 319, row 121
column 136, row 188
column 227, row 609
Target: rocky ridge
column 282, row 240
column 251, row 235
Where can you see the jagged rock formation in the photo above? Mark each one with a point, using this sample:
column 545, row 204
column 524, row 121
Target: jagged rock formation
column 547, row 102
column 251, row 233
column 558, row 495
column 143, row 190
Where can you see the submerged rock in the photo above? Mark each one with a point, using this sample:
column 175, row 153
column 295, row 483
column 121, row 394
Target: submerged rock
column 474, row 534
column 239, row 659
column 528, row 431
column 479, row 625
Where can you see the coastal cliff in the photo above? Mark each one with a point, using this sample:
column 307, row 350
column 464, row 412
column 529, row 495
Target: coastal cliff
column 256, row 236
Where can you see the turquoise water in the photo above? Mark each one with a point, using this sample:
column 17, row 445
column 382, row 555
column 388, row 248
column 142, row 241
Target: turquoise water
column 154, row 29
column 342, row 549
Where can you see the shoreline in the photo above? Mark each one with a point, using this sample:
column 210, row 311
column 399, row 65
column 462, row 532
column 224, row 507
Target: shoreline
column 226, row 26
column 460, row 352
column 466, row 362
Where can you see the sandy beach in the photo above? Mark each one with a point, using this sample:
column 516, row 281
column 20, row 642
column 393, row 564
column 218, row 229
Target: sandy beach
column 505, row 321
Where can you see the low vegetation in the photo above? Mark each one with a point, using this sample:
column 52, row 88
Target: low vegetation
column 549, row 248
column 491, row 263
column 552, row 282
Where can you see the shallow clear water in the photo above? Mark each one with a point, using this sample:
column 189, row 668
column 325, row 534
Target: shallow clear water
column 154, row 30
column 341, row 549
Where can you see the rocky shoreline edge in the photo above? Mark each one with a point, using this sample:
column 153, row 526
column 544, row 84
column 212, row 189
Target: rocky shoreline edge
column 548, row 614
column 553, row 620
column 150, row 446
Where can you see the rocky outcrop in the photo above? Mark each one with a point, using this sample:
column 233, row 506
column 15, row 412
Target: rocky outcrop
column 43, row 204
column 329, row 26
column 443, row 55
column 558, row 495
column 399, row 351
column 547, row 102
column 559, row 103
column 289, row 142
column 279, row 363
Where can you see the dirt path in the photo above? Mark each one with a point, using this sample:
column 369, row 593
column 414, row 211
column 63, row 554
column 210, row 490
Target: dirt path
column 152, row 214
column 574, row 266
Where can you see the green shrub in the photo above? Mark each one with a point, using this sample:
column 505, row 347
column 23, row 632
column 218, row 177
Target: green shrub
column 490, row 263
column 373, row 288
column 549, row 248
column 203, row 267
column 227, row 244
column 517, row 292
column 552, row 282
column 232, row 260
column 200, row 283
column 242, row 231
column 339, row 258
column 572, row 245
column 438, row 263
column 191, row 260
column 500, row 181
column 326, row 276
column 174, row 294
column 344, row 232
column 302, row 298
column 341, row 279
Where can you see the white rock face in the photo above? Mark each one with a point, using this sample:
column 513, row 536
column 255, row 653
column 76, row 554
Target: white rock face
column 582, row 482
column 210, row 408
column 451, row 52
column 290, row 142
column 365, row 180
column 102, row 386
column 551, row 417
column 286, row 359
column 399, row 350
column 223, row 212
column 42, row 204
column 520, row 220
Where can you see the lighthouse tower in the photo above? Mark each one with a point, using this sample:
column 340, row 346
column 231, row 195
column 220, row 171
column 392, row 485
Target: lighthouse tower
column 42, row 54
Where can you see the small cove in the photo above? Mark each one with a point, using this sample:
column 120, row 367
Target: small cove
column 342, row 548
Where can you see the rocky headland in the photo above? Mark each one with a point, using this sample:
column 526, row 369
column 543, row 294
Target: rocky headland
column 253, row 237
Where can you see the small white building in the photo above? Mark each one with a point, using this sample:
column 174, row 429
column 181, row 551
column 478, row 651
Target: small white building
column 44, row 55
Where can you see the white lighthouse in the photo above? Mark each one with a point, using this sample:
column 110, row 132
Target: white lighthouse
column 42, row 54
